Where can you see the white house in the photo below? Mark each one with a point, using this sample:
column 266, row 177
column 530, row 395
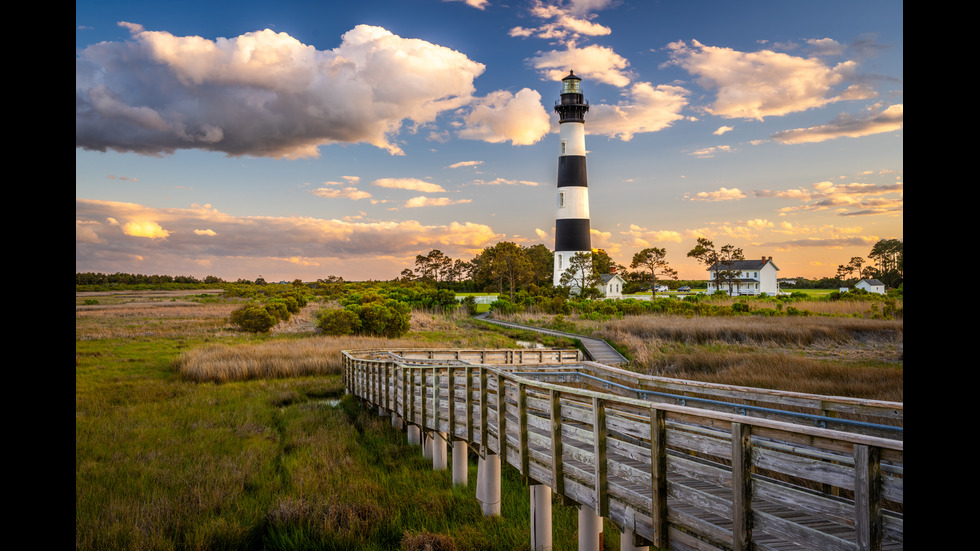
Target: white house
column 611, row 285
column 752, row 277
column 871, row 286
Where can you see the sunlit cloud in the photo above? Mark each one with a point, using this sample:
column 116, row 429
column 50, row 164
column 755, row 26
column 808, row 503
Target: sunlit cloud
column 338, row 193
column 412, row 184
column 233, row 238
column 501, row 117
column 147, row 229
column 422, row 201
column 589, row 62
column 465, row 163
column 478, row 4
column 647, row 108
column 852, row 199
column 722, row 194
column 262, row 93
column 755, row 85
column 846, row 126
column 504, row 182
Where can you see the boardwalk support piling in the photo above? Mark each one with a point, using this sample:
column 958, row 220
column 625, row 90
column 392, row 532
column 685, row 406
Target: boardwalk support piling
column 460, row 466
column 589, row 529
column 540, row 517
column 488, row 484
column 439, row 454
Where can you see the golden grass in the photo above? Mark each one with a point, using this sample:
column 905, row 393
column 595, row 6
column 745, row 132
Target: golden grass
column 318, row 355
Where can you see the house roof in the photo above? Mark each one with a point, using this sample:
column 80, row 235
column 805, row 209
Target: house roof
column 871, row 282
column 743, row 265
column 607, row 277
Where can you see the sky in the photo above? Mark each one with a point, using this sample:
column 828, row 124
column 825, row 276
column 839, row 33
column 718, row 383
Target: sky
column 298, row 140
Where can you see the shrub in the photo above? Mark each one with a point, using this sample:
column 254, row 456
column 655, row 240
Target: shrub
column 339, row 321
column 252, row 318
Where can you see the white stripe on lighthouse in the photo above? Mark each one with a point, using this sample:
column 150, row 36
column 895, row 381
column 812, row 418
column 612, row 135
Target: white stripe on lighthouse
column 573, row 202
column 572, row 136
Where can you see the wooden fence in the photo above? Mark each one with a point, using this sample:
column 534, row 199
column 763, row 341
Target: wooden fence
column 683, row 465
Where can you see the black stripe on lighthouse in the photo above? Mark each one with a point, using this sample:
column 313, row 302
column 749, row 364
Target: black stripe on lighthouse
column 572, row 234
column 571, row 171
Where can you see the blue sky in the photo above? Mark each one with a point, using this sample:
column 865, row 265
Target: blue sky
column 301, row 140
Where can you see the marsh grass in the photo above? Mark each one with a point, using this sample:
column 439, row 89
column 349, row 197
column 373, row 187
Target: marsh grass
column 190, row 435
column 837, row 355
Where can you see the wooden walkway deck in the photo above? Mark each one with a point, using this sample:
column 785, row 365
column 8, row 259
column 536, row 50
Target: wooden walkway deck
column 685, row 466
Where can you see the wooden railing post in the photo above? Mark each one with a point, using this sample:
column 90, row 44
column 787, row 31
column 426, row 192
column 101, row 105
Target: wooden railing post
column 741, row 487
column 501, row 420
column 522, row 430
column 469, row 403
column 658, row 476
column 867, row 497
column 483, row 411
column 557, row 467
column 601, row 469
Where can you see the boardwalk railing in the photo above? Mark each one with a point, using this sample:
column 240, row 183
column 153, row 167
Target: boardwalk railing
column 720, row 468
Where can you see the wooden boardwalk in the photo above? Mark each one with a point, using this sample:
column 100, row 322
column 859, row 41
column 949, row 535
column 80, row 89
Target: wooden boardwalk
column 682, row 465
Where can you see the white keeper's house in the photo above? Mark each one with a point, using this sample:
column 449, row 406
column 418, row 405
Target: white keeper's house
column 871, row 286
column 752, row 278
column 612, row 285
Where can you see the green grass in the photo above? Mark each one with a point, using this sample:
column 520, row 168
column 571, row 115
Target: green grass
column 165, row 463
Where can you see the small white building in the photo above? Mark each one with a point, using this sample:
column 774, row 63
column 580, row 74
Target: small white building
column 612, row 285
column 752, row 277
column 871, row 286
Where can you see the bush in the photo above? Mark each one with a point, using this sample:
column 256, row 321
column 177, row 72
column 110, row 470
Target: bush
column 339, row 321
column 252, row 318
column 388, row 319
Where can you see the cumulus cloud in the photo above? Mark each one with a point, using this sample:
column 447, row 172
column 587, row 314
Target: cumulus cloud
column 262, row 93
column 589, row 62
column 755, row 85
column 847, row 126
column 501, row 116
column 647, row 108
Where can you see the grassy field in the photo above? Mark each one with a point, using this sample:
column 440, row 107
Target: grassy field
column 192, row 435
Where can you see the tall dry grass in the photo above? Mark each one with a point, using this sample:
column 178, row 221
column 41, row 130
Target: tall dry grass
column 319, row 355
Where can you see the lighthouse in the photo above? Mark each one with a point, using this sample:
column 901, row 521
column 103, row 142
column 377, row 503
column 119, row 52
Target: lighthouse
column 572, row 221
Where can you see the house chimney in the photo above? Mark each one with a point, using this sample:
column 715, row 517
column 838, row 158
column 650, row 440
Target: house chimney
column 612, row 269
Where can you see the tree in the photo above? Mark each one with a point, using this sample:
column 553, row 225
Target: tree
column 722, row 261
column 653, row 259
column 888, row 255
column 581, row 276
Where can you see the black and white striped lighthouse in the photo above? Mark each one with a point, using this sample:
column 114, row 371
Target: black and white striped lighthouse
column 572, row 222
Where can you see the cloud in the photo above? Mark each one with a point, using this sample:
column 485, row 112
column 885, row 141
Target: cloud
column 148, row 229
column 846, row 126
column 500, row 116
column 755, row 85
column 478, row 4
column 412, row 184
column 723, row 194
column 647, row 108
column 590, row 62
column 423, row 201
column 853, row 199
column 99, row 242
column 465, row 163
column 262, row 93
column 504, row 181
column 345, row 193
